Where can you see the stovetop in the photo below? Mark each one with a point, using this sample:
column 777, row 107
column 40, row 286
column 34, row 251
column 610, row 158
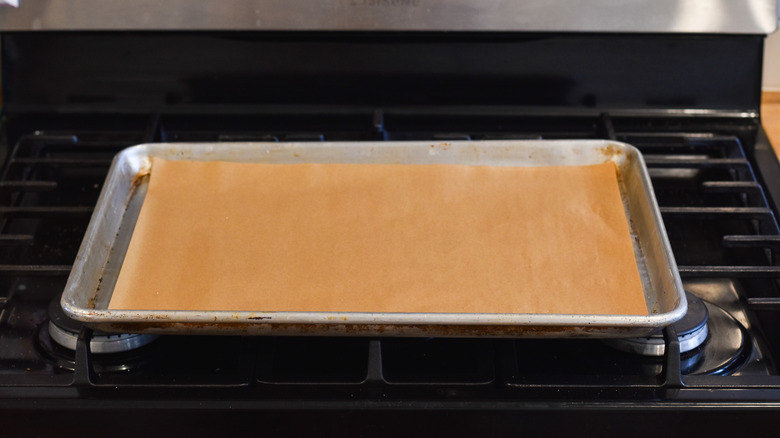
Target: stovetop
column 722, row 230
column 716, row 180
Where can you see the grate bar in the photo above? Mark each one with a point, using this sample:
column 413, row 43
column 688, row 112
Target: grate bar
column 248, row 137
column 42, row 136
column 606, row 128
column 451, row 136
column 73, row 162
column 718, row 212
column 732, row 187
column 751, row 241
column 729, row 271
column 672, row 371
column 681, row 140
column 27, row 212
column 698, row 163
column 34, row 270
column 14, row 239
column 378, row 121
column 765, row 303
column 304, row 136
column 28, row 186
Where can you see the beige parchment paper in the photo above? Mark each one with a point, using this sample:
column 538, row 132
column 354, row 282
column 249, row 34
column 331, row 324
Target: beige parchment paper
column 381, row 238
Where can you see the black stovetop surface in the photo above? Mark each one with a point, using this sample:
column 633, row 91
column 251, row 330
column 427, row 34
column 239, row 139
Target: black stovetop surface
column 722, row 230
column 713, row 172
column 723, row 233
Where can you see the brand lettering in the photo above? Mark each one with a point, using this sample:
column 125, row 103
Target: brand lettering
column 410, row 3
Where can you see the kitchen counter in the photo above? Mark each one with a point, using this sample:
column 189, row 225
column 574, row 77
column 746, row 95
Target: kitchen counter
column 770, row 116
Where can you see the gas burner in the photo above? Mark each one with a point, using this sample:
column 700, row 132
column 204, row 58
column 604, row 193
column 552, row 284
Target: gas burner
column 727, row 346
column 691, row 332
column 65, row 358
column 65, row 332
column 719, row 346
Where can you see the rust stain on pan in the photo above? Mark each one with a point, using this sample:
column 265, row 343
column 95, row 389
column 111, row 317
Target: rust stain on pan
column 617, row 154
column 140, row 178
column 611, row 150
column 92, row 302
column 336, row 318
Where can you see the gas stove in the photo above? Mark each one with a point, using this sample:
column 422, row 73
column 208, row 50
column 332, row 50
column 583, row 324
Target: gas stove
column 688, row 101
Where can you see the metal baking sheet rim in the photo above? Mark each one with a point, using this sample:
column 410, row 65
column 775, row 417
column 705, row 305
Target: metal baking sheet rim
column 83, row 293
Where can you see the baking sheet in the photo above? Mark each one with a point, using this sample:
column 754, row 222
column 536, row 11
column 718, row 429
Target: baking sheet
column 109, row 234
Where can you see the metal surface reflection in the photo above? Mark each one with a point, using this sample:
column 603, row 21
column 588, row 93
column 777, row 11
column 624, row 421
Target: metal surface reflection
column 704, row 16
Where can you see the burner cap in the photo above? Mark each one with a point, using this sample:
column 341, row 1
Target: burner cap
column 65, row 332
column 691, row 332
column 728, row 347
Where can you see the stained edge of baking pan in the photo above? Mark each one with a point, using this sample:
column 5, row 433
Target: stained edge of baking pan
column 97, row 264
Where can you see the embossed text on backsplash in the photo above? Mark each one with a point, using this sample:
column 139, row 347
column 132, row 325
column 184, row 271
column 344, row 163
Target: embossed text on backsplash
column 397, row 3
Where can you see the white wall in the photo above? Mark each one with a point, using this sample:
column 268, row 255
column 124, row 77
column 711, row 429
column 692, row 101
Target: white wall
column 772, row 63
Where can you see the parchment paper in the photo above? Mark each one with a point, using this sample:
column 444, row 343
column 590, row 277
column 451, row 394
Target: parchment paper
column 381, row 238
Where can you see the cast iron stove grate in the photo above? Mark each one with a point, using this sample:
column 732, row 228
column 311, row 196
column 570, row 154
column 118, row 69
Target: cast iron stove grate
column 723, row 232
